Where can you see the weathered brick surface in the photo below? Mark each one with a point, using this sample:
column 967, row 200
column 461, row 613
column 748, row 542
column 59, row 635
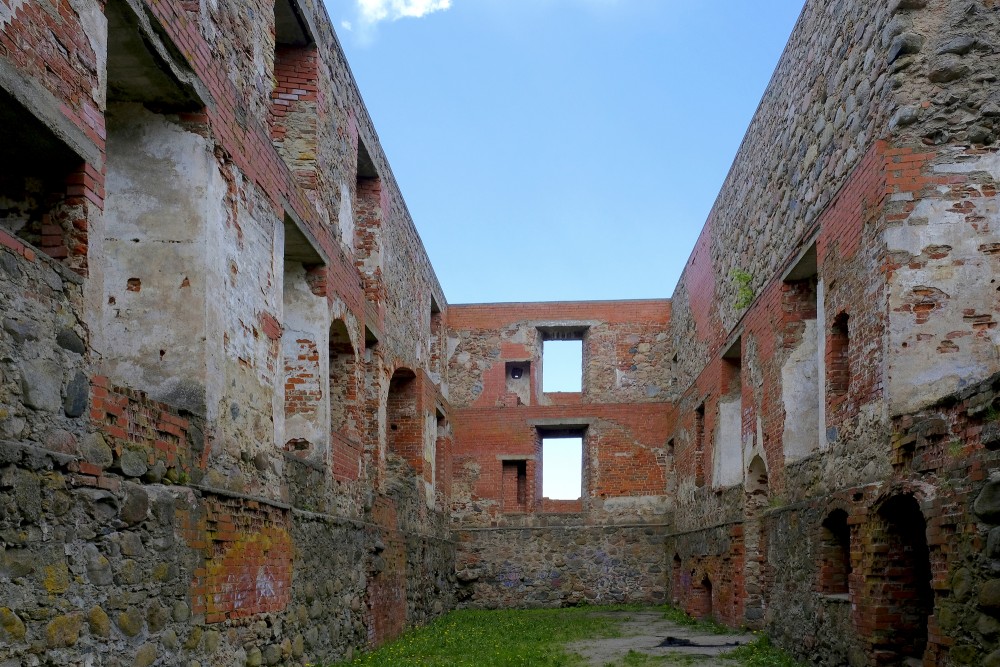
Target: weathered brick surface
column 239, row 422
column 192, row 398
column 893, row 189
column 497, row 460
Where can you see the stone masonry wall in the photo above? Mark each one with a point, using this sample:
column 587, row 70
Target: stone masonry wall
column 240, row 424
column 165, row 500
column 842, row 336
column 560, row 565
column 517, row 547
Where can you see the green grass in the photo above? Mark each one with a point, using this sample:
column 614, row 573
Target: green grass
column 762, row 653
column 530, row 638
column 508, row 638
column 636, row 659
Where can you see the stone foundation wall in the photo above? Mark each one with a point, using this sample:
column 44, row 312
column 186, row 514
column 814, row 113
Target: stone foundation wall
column 553, row 566
column 132, row 572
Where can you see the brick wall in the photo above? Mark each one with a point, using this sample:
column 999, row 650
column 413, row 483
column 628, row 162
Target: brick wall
column 248, row 554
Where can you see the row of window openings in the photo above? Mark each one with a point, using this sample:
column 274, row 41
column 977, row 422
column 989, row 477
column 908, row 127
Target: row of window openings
column 838, row 376
column 835, row 564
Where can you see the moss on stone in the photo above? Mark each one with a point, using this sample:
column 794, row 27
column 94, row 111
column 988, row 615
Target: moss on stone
column 99, row 622
column 63, row 631
column 12, row 624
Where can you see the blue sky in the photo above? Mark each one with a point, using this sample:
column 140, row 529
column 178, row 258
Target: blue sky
column 560, row 149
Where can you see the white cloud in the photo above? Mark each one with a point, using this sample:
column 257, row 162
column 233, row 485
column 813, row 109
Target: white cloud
column 373, row 11
column 346, row 25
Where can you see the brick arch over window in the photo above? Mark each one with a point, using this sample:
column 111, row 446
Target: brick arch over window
column 701, row 597
column 898, row 581
column 404, row 435
column 757, row 480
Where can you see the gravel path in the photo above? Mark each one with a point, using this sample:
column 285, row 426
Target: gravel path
column 647, row 632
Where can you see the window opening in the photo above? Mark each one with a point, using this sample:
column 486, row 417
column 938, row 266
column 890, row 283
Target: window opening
column 757, row 482
column 518, row 382
column 343, row 382
column 901, row 577
column 801, row 384
column 404, row 433
column 562, row 465
column 699, row 446
column 838, row 353
column 436, row 336
column 671, row 466
column 515, row 486
column 728, row 450
column 835, row 571
column 702, row 602
column 364, row 233
column 676, row 580
column 562, row 366
column 303, row 319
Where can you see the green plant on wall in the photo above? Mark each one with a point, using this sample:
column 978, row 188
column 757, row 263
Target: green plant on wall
column 992, row 414
column 955, row 448
column 744, row 294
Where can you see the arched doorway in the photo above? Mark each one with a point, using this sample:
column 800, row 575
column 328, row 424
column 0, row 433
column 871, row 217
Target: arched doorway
column 701, row 597
column 900, row 581
column 835, row 551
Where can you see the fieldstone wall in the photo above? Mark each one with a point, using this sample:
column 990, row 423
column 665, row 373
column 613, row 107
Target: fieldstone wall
column 565, row 565
column 515, row 546
column 843, row 289
column 136, row 573
column 161, row 499
column 44, row 362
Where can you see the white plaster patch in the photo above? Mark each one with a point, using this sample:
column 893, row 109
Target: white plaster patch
column 430, row 455
column 727, row 466
column 7, row 10
column 989, row 162
column 800, row 393
column 345, row 217
column 640, row 504
column 937, row 225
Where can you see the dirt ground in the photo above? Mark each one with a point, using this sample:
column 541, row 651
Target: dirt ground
column 647, row 632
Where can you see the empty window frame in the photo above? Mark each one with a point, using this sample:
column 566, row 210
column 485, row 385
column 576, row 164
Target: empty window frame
column 728, row 450
column 562, row 359
column 306, row 419
column 562, row 466
column 801, row 382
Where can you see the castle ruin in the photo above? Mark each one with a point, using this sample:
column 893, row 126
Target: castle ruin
column 240, row 423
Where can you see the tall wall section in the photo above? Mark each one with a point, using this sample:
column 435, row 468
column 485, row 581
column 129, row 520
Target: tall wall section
column 240, row 424
column 835, row 395
column 220, row 345
column 517, row 547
